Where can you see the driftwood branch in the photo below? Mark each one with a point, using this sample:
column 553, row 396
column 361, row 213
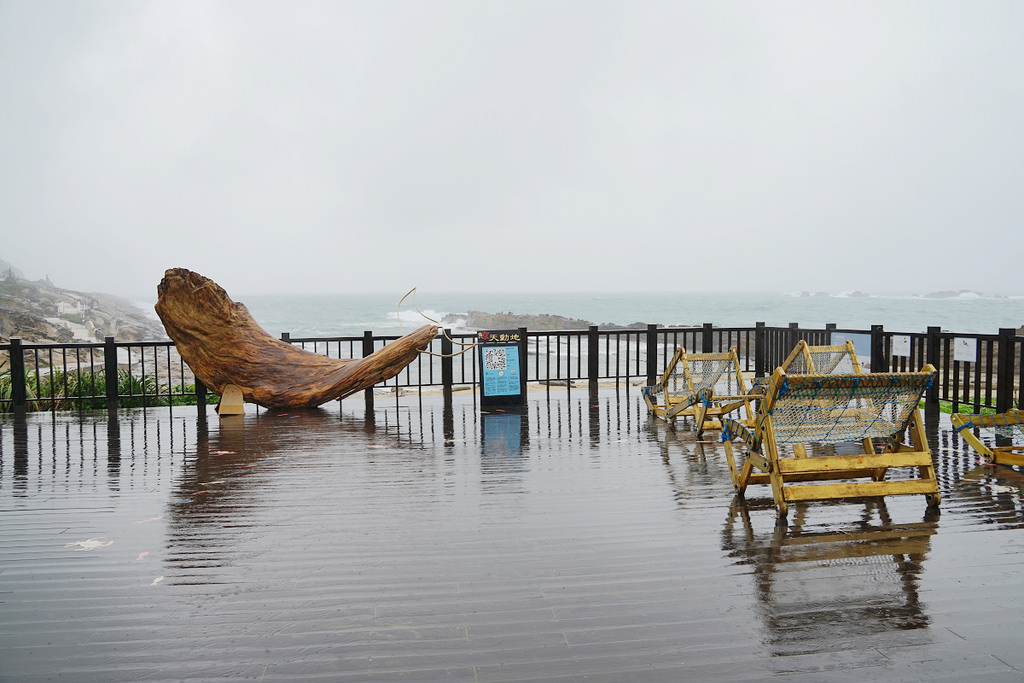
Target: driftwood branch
column 223, row 345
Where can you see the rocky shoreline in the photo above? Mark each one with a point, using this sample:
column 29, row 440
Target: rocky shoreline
column 478, row 320
column 39, row 312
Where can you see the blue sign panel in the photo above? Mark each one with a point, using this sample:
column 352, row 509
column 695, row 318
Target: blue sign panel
column 501, row 370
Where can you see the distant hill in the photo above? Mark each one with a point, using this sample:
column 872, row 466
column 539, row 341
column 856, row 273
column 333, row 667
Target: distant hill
column 40, row 312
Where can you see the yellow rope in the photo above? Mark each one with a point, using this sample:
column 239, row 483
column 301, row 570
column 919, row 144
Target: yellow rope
column 398, row 313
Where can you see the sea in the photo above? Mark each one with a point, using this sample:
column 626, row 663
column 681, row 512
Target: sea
column 393, row 313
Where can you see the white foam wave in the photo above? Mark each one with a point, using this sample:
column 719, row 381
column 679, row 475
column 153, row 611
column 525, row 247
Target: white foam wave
column 411, row 316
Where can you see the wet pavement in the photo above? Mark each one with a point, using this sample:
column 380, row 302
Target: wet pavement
column 568, row 542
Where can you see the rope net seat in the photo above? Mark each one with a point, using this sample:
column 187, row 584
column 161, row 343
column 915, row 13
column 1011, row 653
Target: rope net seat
column 814, row 437
column 822, row 360
column 704, row 386
column 1006, row 430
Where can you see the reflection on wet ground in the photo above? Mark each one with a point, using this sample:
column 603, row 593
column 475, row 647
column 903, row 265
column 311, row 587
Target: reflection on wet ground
column 560, row 542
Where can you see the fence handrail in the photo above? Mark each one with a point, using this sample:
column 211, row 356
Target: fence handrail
column 979, row 370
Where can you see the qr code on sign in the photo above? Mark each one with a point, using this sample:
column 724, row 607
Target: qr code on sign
column 494, row 359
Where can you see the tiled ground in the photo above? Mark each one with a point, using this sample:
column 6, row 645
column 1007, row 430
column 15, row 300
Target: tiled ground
column 570, row 543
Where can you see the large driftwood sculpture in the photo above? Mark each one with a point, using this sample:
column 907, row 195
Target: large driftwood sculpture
column 223, row 345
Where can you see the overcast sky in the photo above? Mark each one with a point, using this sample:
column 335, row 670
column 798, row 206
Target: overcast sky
column 282, row 147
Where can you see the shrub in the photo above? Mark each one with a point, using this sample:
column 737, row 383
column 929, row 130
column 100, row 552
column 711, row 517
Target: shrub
column 86, row 390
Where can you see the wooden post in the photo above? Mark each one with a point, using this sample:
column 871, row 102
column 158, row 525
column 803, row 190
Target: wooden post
column 652, row 354
column 792, row 337
column 707, row 338
column 1004, row 369
column 760, row 349
column 931, row 397
column 110, row 371
column 879, row 359
column 593, row 367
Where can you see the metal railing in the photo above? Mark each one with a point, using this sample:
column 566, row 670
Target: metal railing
column 974, row 371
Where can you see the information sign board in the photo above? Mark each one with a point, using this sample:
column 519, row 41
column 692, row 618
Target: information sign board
column 965, row 349
column 861, row 345
column 502, row 367
column 901, row 346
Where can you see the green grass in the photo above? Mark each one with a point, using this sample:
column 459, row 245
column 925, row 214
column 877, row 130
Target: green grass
column 965, row 408
column 64, row 390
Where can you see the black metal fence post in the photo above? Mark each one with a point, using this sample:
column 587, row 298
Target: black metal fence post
column 652, row 355
column 933, row 353
column 447, row 369
column 113, row 442
column 200, row 394
column 367, row 350
column 994, row 381
column 879, row 358
column 110, row 371
column 18, row 392
column 760, row 348
column 1004, row 369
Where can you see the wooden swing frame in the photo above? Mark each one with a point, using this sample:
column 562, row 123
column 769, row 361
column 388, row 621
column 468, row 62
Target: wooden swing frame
column 1012, row 454
column 699, row 401
column 836, row 476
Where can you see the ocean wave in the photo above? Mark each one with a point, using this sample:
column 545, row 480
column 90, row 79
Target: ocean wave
column 963, row 294
column 420, row 317
column 903, row 311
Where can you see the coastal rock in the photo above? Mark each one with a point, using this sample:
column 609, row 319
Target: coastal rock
column 478, row 320
column 39, row 312
column 542, row 322
column 16, row 322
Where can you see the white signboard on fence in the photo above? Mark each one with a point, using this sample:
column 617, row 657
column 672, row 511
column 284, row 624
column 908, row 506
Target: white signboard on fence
column 965, row 349
column 861, row 344
column 901, row 346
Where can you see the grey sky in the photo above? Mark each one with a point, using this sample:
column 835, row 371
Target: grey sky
column 376, row 146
